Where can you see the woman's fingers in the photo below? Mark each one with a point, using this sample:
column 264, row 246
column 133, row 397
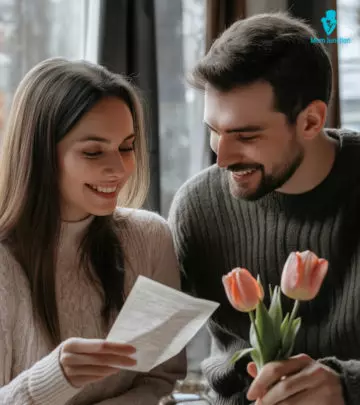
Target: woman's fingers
column 80, row 345
column 97, row 371
column 74, row 359
column 84, row 361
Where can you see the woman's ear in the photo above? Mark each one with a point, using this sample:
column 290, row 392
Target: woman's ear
column 311, row 120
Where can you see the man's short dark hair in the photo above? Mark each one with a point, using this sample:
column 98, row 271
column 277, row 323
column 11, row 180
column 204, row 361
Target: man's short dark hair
column 275, row 48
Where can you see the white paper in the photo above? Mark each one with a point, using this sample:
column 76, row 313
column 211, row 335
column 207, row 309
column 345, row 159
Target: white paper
column 159, row 321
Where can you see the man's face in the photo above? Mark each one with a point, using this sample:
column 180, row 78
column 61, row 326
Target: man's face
column 253, row 141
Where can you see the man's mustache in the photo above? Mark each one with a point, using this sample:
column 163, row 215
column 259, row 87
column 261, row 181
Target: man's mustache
column 239, row 167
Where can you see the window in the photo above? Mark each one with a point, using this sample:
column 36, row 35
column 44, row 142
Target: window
column 33, row 30
column 349, row 63
column 180, row 27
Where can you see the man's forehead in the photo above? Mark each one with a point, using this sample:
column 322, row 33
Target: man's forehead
column 256, row 89
column 240, row 106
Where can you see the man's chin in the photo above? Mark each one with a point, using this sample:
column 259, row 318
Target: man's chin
column 242, row 193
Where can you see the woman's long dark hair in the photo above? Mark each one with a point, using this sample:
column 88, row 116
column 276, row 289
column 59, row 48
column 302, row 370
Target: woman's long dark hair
column 49, row 102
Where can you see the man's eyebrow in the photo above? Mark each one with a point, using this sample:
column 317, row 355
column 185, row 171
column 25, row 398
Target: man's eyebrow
column 246, row 128
column 96, row 138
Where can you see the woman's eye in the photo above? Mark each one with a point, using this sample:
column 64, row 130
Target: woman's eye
column 129, row 149
column 92, row 154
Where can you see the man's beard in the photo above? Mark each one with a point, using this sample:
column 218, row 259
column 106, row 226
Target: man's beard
column 268, row 183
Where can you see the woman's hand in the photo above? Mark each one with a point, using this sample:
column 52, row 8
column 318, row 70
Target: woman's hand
column 88, row 360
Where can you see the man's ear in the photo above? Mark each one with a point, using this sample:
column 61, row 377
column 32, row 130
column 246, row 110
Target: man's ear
column 311, row 120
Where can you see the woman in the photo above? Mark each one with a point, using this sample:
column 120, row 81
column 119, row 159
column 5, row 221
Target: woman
column 74, row 149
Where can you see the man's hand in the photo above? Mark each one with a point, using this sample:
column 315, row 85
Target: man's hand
column 297, row 381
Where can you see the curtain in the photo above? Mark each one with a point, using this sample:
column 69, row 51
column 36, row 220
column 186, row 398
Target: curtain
column 220, row 14
column 313, row 12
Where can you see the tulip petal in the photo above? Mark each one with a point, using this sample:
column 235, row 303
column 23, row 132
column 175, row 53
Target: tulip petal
column 310, row 261
column 299, row 272
column 242, row 290
column 318, row 275
column 287, row 283
column 233, row 290
column 227, row 287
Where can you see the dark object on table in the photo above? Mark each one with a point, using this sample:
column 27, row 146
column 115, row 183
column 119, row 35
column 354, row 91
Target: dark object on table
column 188, row 391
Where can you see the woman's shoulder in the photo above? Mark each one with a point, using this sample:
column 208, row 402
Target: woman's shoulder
column 141, row 220
column 12, row 278
column 7, row 260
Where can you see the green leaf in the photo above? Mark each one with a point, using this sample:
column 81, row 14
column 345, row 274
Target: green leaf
column 275, row 310
column 241, row 353
column 284, row 325
column 271, row 291
column 289, row 341
column 256, row 356
column 253, row 338
column 270, row 337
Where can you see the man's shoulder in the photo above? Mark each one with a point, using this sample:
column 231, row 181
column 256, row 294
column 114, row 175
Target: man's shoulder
column 344, row 135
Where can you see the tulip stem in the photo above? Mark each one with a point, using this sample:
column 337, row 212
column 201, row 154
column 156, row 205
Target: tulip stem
column 291, row 318
column 294, row 311
column 252, row 318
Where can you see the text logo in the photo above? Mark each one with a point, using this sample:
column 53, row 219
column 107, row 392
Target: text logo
column 329, row 22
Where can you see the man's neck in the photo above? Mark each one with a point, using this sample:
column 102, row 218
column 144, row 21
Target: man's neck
column 317, row 164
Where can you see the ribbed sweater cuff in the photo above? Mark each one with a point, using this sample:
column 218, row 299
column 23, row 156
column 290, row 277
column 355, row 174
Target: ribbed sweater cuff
column 349, row 372
column 47, row 382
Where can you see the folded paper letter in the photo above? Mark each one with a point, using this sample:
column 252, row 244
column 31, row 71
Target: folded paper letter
column 159, row 321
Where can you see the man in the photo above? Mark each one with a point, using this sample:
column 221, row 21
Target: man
column 282, row 183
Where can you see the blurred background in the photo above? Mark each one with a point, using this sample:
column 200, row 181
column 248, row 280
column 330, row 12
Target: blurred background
column 156, row 42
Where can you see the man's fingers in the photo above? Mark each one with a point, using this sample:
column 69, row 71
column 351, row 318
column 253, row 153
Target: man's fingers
column 271, row 373
column 79, row 345
column 301, row 398
column 251, row 369
column 292, row 386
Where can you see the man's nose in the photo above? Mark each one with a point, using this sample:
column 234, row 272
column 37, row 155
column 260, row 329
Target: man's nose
column 227, row 152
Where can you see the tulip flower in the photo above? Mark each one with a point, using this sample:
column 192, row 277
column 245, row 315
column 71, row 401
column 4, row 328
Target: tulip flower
column 272, row 335
column 303, row 275
column 242, row 289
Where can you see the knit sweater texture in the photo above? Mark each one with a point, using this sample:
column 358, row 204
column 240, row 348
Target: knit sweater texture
column 215, row 232
column 30, row 372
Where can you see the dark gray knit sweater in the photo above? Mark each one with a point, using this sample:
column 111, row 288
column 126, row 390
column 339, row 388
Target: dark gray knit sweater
column 214, row 232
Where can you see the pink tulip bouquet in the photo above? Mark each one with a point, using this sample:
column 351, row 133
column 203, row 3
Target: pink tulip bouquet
column 272, row 336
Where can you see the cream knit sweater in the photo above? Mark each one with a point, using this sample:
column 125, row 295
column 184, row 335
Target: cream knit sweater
column 30, row 373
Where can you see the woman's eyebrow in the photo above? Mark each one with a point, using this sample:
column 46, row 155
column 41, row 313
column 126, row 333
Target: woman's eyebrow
column 97, row 138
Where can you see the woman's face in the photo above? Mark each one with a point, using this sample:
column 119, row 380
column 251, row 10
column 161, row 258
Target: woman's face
column 96, row 159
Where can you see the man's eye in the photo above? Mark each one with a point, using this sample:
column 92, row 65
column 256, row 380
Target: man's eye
column 92, row 154
column 248, row 138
